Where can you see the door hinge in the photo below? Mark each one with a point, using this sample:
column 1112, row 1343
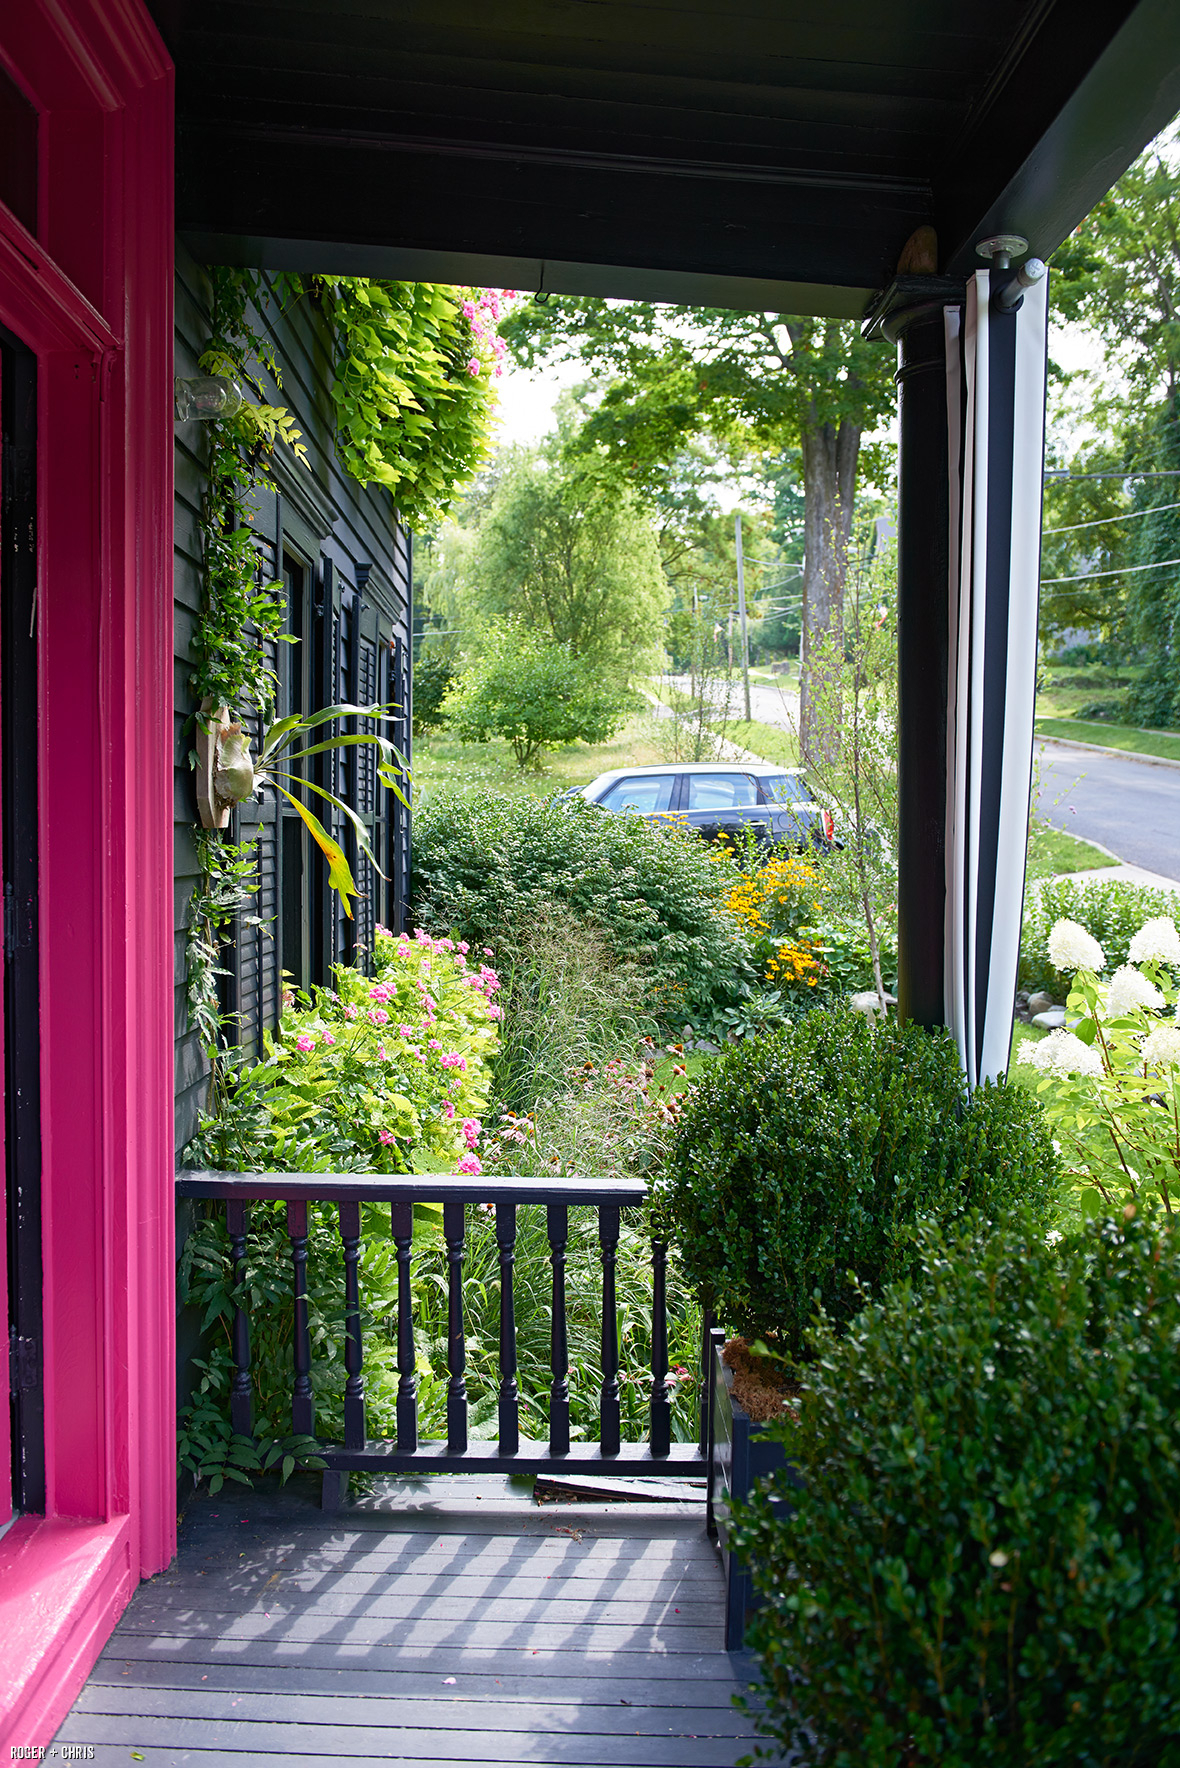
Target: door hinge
column 24, row 1364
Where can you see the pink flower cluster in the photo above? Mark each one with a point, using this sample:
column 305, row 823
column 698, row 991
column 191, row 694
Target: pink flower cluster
column 469, row 1163
column 305, row 1042
column 471, row 1129
column 452, row 1059
column 482, row 309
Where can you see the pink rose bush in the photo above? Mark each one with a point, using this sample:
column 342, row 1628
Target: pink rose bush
column 386, row 1072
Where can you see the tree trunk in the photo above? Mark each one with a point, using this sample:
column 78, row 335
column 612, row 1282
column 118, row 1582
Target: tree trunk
column 830, row 455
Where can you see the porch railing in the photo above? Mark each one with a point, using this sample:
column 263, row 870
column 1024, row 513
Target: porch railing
column 407, row 1451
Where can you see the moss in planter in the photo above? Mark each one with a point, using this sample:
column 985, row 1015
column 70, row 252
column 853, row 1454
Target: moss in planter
column 760, row 1386
column 809, row 1155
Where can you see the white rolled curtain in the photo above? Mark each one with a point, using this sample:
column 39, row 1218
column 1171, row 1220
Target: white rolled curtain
column 996, row 411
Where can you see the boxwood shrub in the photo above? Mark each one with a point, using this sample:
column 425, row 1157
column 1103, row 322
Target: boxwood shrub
column 982, row 1569
column 808, row 1155
column 488, row 865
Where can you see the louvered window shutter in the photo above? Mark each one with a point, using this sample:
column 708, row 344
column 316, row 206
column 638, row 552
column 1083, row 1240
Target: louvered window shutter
column 256, row 956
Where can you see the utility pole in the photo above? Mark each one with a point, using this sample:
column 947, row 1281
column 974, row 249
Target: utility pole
column 741, row 574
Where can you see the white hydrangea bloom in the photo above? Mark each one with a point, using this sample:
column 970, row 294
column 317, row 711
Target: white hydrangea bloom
column 1061, row 1053
column 1129, row 988
column 1161, row 1047
column 1156, row 940
column 1072, row 948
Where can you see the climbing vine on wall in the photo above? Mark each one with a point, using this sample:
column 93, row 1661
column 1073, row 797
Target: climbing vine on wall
column 415, row 368
column 415, row 386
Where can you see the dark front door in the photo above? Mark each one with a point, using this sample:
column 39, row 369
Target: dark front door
column 20, row 1016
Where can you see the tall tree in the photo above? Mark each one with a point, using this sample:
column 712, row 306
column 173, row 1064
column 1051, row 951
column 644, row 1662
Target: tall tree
column 1118, row 275
column 572, row 554
column 752, row 381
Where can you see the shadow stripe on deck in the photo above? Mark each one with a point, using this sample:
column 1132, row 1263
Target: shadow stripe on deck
column 576, row 1636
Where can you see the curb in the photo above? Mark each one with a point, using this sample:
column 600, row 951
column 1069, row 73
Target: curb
column 1102, row 749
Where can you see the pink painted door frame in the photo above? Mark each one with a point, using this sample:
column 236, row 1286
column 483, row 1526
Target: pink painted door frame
column 91, row 294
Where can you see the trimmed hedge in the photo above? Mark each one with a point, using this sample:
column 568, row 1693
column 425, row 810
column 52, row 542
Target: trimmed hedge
column 982, row 1569
column 488, row 865
column 812, row 1152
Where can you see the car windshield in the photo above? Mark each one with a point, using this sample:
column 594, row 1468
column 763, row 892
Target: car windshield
column 720, row 791
column 785, row 788
column 647, row 795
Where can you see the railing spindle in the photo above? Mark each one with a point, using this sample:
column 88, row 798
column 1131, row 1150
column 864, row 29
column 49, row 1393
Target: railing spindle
column 661, row 1404
column 302, row 1399
column 559, row 1394
column 241, row 1398
column 453, row 1234
column 402, row 1226
column 706, row 1379
column 608, row 1239
column 509, row 1397
column 354, row 1351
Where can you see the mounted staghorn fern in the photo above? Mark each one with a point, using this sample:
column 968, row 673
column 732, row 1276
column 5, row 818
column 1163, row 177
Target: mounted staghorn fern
column 241, row 777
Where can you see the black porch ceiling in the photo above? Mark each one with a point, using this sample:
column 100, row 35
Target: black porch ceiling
column 744, row 152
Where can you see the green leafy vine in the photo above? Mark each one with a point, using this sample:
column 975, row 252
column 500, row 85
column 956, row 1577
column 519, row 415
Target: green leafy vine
column 414, row 397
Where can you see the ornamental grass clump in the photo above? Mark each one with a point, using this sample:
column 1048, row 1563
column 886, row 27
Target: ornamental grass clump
column 1110, row 1083
column 808, row 1155
column 980, row 1564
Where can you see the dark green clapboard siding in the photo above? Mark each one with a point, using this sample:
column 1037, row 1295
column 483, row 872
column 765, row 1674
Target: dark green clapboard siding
column 336, row 529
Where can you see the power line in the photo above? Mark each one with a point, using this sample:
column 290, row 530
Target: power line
column 1127, row 516
column 1123, row 571
column 1062, row 472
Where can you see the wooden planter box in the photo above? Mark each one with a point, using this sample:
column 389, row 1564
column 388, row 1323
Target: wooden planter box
column 740, row 1452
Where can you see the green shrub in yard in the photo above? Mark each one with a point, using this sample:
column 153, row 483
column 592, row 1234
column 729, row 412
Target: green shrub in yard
column 982, row 1568
column 490, row 867
column 1112, row 910
column 811, row 1153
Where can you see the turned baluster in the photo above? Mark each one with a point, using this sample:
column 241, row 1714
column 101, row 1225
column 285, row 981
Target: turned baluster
column 509, row 1407
column 608, row 1239
column 354, row 1351
column 302, row 1399
column 559, row 1393
column 402, row 1226
column 241, row 1398
column 453, row 1234
column 661, row 1404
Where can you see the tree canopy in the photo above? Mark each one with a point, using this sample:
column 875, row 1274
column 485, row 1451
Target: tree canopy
column 757, row 382
column 572, row 554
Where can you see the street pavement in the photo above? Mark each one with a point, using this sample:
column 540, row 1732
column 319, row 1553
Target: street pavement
column 1128, row 806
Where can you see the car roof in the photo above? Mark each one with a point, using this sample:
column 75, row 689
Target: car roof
column 758, row 768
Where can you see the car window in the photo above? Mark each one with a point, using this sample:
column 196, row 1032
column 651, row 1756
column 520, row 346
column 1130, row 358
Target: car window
column 647, row 795
column 785, row 788
column 720, row 791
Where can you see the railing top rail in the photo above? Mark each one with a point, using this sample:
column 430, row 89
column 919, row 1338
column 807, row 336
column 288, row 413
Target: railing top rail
column 405, row 1188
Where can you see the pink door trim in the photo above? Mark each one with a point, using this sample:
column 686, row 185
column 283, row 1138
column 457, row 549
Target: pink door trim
column 92, row 297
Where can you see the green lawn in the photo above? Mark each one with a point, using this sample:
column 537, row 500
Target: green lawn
column 769, row 741
column 1055, row 852
column 441, row 761
column 1112, row 736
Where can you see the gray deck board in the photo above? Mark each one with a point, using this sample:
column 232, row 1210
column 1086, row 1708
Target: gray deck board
column 453, row 1623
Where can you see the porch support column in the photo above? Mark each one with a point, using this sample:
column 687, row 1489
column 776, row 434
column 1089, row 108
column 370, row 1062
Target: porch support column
column 910, row 314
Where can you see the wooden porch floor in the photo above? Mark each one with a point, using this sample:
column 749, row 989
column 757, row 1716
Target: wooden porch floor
column 446, row 1621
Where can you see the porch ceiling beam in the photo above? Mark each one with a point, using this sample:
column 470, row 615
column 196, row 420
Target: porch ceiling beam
column 738, row 152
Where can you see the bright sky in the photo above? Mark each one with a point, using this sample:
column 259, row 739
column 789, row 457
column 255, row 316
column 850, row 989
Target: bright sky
column 527, row 400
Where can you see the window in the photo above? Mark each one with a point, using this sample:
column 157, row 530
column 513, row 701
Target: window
column 714, row 791
column 646, row 795
column 786, row 789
